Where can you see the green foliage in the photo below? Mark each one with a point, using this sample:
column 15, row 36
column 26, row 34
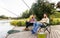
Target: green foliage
column 41, row 7
column 14, row 23
column 55, row 18
column 26, row 14
column 3, row 17
column 55, row 21
column 21, row 23
column 55, row 15
column 18, row 23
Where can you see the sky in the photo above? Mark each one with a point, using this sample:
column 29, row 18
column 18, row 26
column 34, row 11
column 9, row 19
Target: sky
column 14, row 8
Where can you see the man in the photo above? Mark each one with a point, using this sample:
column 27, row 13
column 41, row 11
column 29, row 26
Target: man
column 30, row 22
column 36, row 25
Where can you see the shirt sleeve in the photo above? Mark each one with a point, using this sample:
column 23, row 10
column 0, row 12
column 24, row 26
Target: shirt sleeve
column 47, row 20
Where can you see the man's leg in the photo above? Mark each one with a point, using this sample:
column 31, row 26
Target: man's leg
column 35, row 27
column 27, row 24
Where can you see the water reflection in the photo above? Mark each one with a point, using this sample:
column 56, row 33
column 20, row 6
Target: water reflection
column 4, row 27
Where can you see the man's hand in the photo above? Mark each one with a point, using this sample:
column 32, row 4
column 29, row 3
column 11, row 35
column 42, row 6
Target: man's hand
column 42, row 21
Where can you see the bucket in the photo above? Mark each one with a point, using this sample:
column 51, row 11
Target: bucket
column 41, row 35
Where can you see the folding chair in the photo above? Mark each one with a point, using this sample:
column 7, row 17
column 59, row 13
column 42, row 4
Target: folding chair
column 46, row 27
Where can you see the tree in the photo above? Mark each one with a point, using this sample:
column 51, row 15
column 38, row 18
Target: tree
column 41, row 7
column 3, row 17
column 26, row 14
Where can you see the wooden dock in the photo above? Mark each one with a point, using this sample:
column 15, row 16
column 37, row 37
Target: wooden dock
column 55, row 33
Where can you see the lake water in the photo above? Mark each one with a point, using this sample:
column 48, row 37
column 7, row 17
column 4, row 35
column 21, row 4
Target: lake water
column 5, row 27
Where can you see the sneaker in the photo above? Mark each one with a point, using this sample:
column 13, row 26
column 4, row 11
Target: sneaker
column 32, row 32
column 26, row 29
